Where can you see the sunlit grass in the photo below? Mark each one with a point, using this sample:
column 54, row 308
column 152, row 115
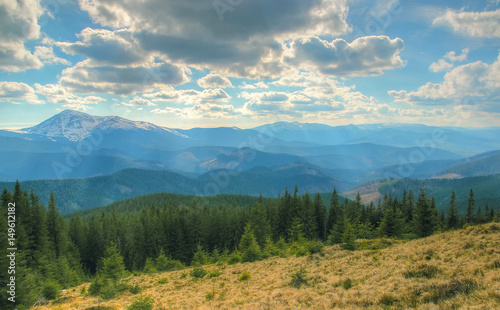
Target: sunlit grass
column 452, row 270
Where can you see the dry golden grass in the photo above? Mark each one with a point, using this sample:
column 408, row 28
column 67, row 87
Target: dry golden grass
column 452, row 270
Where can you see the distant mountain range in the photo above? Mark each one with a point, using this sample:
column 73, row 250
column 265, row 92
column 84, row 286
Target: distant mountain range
column 317, row 157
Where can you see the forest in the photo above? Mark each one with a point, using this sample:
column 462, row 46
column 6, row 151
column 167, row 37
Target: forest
column 55, row 253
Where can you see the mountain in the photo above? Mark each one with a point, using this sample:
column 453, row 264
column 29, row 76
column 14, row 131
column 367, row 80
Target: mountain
column 85, row 193
column 485, row 190
column 458, row 140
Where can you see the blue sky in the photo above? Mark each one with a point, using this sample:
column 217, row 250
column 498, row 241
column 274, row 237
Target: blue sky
column 200, row 63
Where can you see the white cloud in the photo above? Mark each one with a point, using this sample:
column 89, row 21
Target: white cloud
column 85, row 78
column 18, row 23
column 47, row 56
column 364, row 56
column 257, row 85
column 443, row 65
column 138, row 101
column 213, row 80
column 106, row 47
column 55, row 93
column 200, row 111
column 190, row 97
column 474, row 83
column 472, row 24
column 440, row 65
column 15, row 92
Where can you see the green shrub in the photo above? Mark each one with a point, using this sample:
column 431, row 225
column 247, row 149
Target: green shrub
column 209, row 296
column 387, row 300
column 136, row 289
column 234, row 258
column 214, row 273
column 198, row 272
column 245, row 276
column 315, row 246
column 347, row 283
column 184, row 275
column 299, row 278
column 150, row 266
column 50, row 289
column 142, row 303
column 163, row 281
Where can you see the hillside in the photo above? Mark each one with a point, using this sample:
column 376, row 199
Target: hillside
column 485, row 189
column 457, row 269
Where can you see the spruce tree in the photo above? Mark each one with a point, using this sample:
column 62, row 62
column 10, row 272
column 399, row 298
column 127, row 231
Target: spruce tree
column 424, row 217
column 320, row 212
column 453, row 213
column 308, row 217
column 469, row 217
column 349, row 238
column 334, row 210
column 248, row 246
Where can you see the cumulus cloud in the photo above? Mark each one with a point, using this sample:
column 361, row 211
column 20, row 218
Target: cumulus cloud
column 47, row 56
column 138, row 101
column 257, row 85
column 472, row 24
column 85, row 78
column 18, row 21
column 106, row 47
column 364, row 56
column 213, row 80
column 199, row 111
column 15, row 92
column 476, row 83
column 190, row 96
column 55, row 93
column 443, row 64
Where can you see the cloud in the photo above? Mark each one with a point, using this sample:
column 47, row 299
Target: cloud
column 364, row 56
column 138, row 101
column 106, row 47
column 18, row 21
column 47, row 56
column 476, row 83
column 472, row 24
column 201, row 111
column 55, row 93
column 213, row 80
column 442, row 64
column 85, row 78
column 257, row 85
column 15, row 92
column 190, row 97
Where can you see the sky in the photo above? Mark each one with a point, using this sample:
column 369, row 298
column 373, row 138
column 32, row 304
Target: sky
column 212, row 63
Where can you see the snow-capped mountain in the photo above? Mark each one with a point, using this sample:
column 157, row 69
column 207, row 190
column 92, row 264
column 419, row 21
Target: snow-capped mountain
column 76, row 126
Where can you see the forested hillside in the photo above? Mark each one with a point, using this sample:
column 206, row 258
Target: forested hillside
column 54, row 253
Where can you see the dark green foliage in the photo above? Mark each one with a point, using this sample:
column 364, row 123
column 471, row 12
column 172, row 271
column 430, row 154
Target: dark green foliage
column 425, row 217
column 198, row 272
column 347, row 283
column 142, row 303
column 245, row 276
column 248, row 246
column 348, row 238
column 469, row 216
column 50, row 290
column 299, row 278
column 136, row 289
column 453, row 222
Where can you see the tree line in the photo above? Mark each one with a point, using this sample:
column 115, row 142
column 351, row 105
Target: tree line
column 55, row 253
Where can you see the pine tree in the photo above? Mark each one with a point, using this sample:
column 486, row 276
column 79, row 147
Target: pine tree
column 320, row 212
column 112, row 264
column 453, row 213
column 424, row 219
column 469, row 217
column 260, row 224
column 296, row 232
column 248, row 246
column 348, row 238
column 308, row 217
column 334, row 210
column 55, row 225
column 392, row 224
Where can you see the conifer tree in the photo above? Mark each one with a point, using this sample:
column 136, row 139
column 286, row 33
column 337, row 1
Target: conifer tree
column 334, row 210
column 260, row 224
column 308, row 217
column 424, row 217
column 296, row 232
column 469, row 217
column 320, row 213
column 392, row 224
column 248, row 246
column 349, row 238
column 453, row 213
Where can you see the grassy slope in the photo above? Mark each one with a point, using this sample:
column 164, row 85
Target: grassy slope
column 378, row 279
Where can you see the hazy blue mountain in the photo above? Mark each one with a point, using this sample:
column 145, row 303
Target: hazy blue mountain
column 85, row 193
column 458, row 140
